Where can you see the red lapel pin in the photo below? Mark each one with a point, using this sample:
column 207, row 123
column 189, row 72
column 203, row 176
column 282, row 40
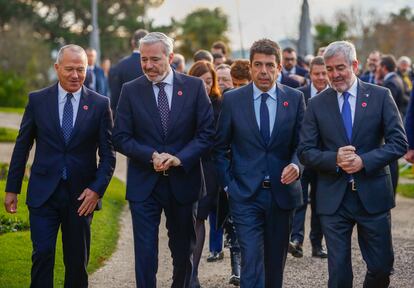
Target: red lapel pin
column 364, row 104
column 85, row 107
column 286, row 104
column 180, row 93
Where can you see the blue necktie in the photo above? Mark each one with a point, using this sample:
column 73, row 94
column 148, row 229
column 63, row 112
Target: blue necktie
column 347, row 115
column 264, row 118
column 163, row 106
column 67, row 124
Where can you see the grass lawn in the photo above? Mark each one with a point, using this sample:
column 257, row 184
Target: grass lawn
column 17, row 110
column 406, row 190
column 16, row 247
column 8, row 134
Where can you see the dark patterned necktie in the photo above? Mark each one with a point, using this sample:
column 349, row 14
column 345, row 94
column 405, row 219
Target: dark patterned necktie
column 67, row 124
column 163, row 106
column 264, row 118
column 347, row 115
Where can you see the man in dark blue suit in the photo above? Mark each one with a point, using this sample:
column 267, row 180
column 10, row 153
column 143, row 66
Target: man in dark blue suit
column 260, row 123
column 350, row 134
column 95, row 76
column 409, row 128
column 373, row 62
column 127, row 69
column 291, row 67
column 69, row 123
column 319, row 82
column 164, row 125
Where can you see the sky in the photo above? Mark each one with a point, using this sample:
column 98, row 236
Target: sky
column 274, row 19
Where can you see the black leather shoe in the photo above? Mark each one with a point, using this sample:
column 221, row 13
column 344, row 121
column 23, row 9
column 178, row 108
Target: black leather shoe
column 319, row 252
column 295, row 248
column 215, row 256
column 235, row 268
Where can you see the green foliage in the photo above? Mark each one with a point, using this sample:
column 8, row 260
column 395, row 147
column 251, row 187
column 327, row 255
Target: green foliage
column 13, row 90
column 326, row 33
column 406, row 190
column 16, row 248
column 12, row 224
column 8, row 134
column 15, row 110
column 200, row 29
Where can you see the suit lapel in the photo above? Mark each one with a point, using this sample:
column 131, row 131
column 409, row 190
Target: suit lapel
column 148, row 99
column 177, row 101
column 53, row 111
column 247, row 99
column 360, row 107
column 333, row 110
column 85, row 108
column 281, row 111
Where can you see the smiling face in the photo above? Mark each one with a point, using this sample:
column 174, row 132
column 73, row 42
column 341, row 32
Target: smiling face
column 264, row 70
column 155, row 63
column 71, row 70
column 341, row 74
column 319, row 77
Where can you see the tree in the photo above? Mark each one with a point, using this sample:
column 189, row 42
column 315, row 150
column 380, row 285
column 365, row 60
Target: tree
column 200, row 29
column 326, row 33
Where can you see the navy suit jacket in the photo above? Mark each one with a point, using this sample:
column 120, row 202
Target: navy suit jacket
column 128, row 69
column 396, row 86
column 301, row 71
column 379, row 139
column 409, row 121
column 287, row 81
column 251, row 158
column 306, row 90
column 138, row 134
column 92, row 132
column 101, row 84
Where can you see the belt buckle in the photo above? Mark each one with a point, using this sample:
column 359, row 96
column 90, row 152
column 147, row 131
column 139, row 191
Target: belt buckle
column 165, row 173
column 266, row 184
column 353, row 186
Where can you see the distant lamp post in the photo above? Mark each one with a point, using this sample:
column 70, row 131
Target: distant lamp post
column 240, row 28
column 94, row 37
column 305, row 43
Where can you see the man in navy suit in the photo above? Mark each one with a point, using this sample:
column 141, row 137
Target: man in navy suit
column 319, row 82
column 127, row 69
column 291, row 67
column 69, row 123
column 409, row 128
column 164, row 125
column 350, row 134
column 373, row 62
column 260, row 123
column 95, row 76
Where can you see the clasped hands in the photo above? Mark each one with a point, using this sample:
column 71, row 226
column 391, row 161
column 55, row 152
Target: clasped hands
column 163, row 161
column 348, row 160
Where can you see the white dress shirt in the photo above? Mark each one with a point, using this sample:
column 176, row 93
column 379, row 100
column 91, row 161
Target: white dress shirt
column 62, row 100
column 314, row 91
column 353, row 91
column 168, row 88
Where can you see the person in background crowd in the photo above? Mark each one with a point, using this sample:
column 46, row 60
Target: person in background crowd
column 106, row 66
column 240, row 73
column 127, row 69
column 354, row 184
column 164, row 125
column 290, row 66
column 207, row 203
column 321, row 50
column 262, row 177
column 203, row 55
column 404, row 70
column 409, row 128
column 319, row 82
column 218, row 59
column 178, row 63
column 71, row 125
column 95, row 76
column 219, row 47
column 373, row 62
column 224, row 77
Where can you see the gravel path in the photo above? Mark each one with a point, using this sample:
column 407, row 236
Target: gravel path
column 118, row 271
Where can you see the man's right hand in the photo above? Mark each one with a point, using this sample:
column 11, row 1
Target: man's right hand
column 10, row 202
column 409, row 156
column 345, row 156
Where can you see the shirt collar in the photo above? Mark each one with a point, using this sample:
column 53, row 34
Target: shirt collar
column 353, row 90
column 314, row 91
column 388, row 76
column 62, row 93
column 257, row 92
column 168, row 79
column 291, row 71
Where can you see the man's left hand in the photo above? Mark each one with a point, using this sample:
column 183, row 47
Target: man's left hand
column 354, row 166
column 90, row 199
column 290, row 174
column 170, row 161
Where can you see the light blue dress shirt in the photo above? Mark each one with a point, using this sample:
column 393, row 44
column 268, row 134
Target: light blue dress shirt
column 169, row 79
column 271, row 103
column 62, row 100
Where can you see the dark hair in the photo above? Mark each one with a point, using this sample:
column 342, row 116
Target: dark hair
column 265, row 46
column 289, row 50
column 202, row 67
column 203, row 55
column 220, row 45
column 389, row 62
column 217, row 56
column 318, row 60
column 138, row 35
column 240, row 69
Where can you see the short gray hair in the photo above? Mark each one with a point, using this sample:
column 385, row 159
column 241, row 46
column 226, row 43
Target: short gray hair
column 156, row 37
column 403, row 59
column 345, row 48
column 72, row 47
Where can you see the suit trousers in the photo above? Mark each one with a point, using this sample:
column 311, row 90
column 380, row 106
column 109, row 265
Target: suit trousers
column 180, row 219
column 216, row 233
column 59, row 211
column 309, row 178
column 374, row 238
column 263, row 231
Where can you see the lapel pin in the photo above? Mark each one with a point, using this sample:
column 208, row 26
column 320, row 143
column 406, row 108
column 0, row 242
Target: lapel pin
column 85, row 107
column 286, row 104
column 367, row 95
column 364, row 104
column 180, row 93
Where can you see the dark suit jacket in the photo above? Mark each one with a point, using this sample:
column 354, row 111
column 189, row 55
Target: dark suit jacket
column 138, row 133
column 396, row 86
column 366, row 77
column 286, row 80
column 306, row 90
column 128, row 69
column 91, row 133
column 409, row 121
column 251, row 158
column 376, row 121
column 301, row 71
column 100, row 81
